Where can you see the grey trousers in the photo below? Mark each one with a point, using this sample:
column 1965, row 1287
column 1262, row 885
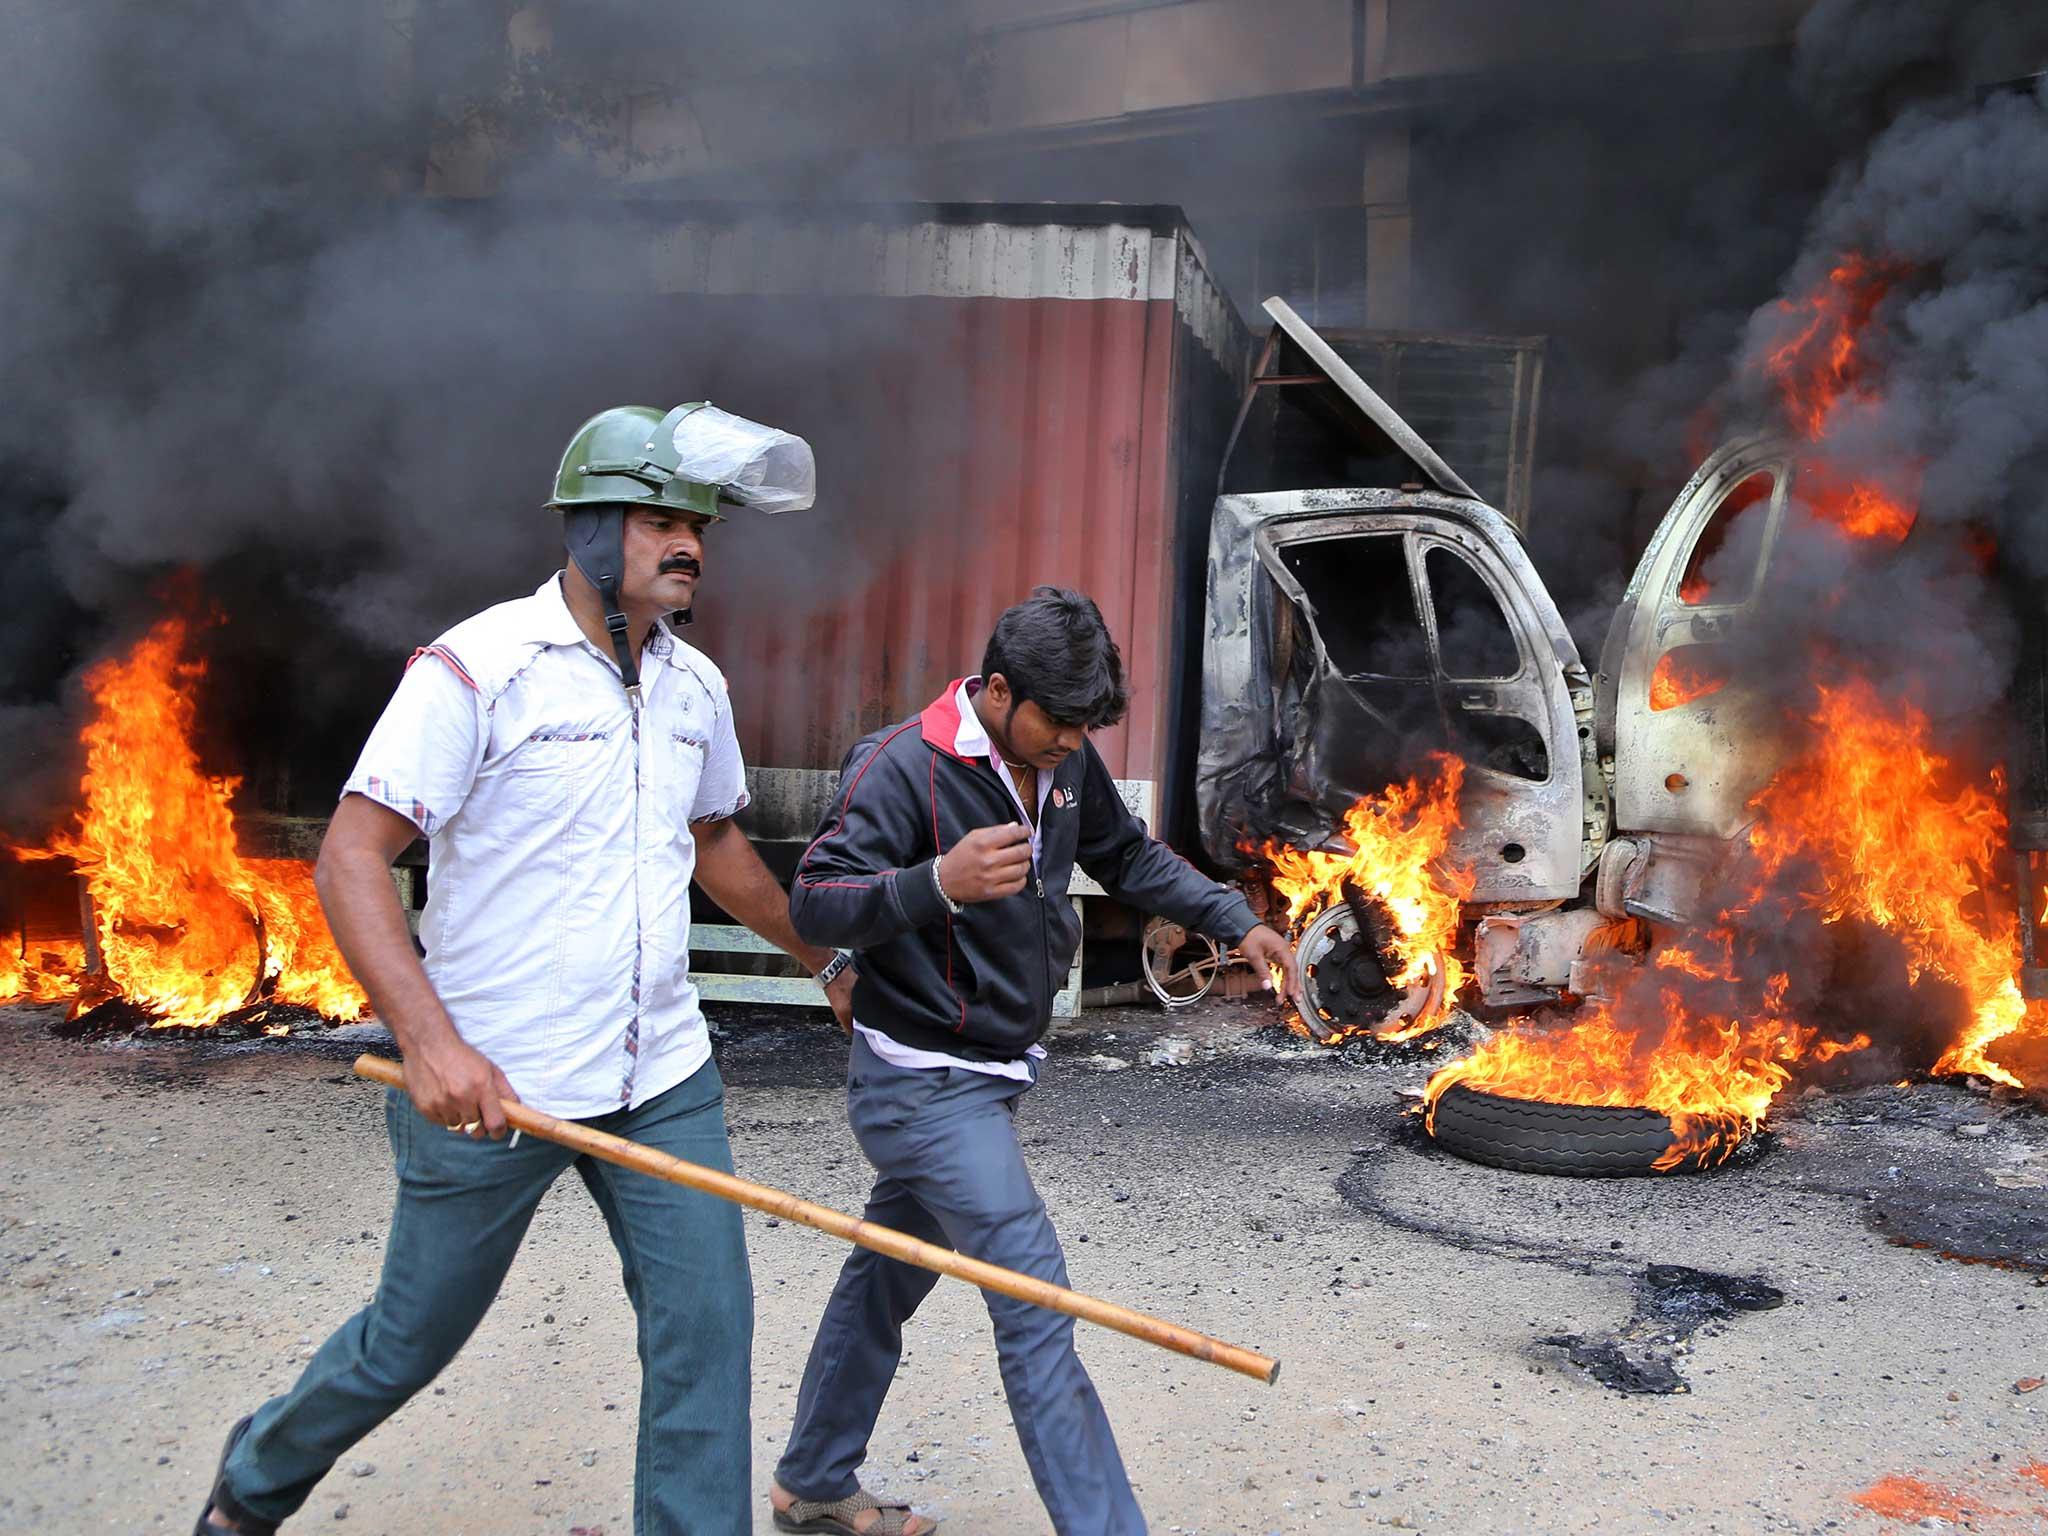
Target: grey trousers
column 944, row 1141
column 463, row 1207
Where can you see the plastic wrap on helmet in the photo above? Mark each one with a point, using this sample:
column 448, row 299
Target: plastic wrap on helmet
column 763, row 467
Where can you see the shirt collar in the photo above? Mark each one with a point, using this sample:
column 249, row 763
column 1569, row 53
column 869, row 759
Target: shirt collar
column 549, row 621
column 548, row 617
column 971, row 740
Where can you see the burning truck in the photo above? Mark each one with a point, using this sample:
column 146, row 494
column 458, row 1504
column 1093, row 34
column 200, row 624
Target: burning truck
column 1667, row 880
column 1353, row 632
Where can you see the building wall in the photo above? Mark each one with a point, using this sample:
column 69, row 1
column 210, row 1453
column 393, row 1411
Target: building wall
column 777, row 82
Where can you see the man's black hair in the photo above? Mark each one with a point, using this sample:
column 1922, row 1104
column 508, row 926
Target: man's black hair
column 1055, row 651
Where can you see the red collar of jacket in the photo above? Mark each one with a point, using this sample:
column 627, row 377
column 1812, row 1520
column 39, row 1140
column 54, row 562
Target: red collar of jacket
column 940, row 723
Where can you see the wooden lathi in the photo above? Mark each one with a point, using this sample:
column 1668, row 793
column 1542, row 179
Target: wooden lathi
column 883, row 1240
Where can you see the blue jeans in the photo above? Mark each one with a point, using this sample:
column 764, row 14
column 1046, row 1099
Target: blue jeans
column 944, row 1141
column 463, row 1207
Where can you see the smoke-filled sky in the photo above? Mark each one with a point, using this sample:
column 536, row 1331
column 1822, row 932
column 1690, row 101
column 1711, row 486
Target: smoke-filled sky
column 1952, row 195
column 1939, row 186
column 230, row 342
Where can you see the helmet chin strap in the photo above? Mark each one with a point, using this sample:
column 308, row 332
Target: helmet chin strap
column 596, row 541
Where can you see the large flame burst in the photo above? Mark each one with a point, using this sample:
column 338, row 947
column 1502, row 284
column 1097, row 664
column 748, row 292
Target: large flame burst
column 1687, row 1039
column 1398, row 839
column 1819, row 357
column 1897, row 843
column 1818, row 366
column 187, row 929
column 1869, row 826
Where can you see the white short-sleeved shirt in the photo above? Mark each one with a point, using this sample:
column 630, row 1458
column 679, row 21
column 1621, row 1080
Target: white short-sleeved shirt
column 557, row 924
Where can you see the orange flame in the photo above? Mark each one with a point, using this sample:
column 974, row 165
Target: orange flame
column 187, row 928
column 47, row 973
column 1870, row 825
column 1868, row 513
column 1681, row 676
column 1855, row 507
column 1909, row 1498
column 1877, row 829
column 1900, row 845
column 1820, row 363
column 1712, row 1075
column 1398, row 839
column 1821, row 359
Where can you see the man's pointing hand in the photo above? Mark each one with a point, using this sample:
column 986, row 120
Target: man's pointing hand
column 1267, row 950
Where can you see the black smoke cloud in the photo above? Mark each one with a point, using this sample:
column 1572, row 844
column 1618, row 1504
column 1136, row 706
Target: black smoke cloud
column 237, row 339
column 1632, row 216
column 234, row 336
column 1943, row 184
column 229, row 347
column 1952, row 196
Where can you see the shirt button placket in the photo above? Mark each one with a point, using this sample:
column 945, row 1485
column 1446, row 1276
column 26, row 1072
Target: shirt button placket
column 633, row 1025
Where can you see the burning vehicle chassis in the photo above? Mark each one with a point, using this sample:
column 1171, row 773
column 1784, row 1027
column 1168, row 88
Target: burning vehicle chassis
column 1619, row 843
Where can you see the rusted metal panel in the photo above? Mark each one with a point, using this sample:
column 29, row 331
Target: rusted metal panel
column 995, row 405
column 1367, row 399
column 1045, row 475
column 1472, row 398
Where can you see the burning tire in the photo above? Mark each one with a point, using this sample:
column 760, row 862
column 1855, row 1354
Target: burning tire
column 1347, row 956
column 1535, row 1136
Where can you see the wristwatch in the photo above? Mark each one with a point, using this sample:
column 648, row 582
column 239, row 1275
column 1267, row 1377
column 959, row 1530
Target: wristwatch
column 833, row 967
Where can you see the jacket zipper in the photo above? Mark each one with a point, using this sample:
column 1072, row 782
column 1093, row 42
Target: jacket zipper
column 1044, row 943
column 1044, row 930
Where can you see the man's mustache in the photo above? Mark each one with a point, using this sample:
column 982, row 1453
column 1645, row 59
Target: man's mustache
column 687, row 564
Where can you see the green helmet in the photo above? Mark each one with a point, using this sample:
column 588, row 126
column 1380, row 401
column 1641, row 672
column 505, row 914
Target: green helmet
column 626, row 456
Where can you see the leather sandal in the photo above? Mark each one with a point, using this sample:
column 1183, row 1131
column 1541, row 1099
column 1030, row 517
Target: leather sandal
column 836, row 1518
column 218, row 1497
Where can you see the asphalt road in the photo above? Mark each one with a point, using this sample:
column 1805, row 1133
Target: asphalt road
column 182, row 1221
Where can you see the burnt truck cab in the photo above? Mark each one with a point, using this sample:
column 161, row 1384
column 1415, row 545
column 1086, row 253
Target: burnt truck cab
column 1353, row 631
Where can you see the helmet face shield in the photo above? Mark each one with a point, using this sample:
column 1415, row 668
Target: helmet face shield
column 759, row 466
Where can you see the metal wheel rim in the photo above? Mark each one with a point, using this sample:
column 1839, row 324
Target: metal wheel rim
column 1206, row 970
column 1335, row 923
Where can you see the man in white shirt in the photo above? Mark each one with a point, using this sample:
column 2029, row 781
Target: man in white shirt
column 573, row 766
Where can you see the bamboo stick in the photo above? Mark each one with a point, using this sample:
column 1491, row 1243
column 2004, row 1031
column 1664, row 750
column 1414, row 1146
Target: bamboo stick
column 883, row 1240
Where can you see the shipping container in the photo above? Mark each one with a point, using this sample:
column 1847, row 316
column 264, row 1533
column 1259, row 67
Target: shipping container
column 999, row 396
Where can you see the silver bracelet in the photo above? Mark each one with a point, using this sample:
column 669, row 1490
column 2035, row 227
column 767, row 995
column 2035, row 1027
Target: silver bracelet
column 833, row 967
column 951, row 905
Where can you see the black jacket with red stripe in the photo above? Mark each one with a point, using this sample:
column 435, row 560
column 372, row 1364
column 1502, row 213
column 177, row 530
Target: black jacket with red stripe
column 979, row 984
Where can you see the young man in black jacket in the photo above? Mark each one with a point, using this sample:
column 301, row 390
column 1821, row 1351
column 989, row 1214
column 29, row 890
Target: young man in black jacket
column 944, row 865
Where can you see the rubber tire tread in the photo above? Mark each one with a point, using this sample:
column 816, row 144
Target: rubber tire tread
column 1535, row 1136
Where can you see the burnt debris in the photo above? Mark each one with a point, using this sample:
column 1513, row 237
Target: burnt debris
column 1673, row 1302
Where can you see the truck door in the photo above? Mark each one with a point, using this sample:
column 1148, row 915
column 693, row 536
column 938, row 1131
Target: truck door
column 1421, row 628
column 1690, row 743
